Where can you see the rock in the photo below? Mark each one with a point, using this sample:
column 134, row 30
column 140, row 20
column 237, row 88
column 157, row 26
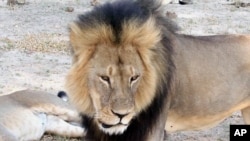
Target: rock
column 69, row 9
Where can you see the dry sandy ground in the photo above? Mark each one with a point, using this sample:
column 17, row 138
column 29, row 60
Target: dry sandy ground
column 34, row 50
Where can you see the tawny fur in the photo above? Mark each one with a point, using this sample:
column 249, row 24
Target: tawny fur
column 184, row 82
column 212, row 81
column 27, row 115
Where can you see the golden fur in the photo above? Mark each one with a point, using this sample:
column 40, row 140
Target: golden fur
column 27, row 115
column 181, row 82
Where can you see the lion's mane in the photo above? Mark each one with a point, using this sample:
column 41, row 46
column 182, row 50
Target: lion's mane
column 152, row 34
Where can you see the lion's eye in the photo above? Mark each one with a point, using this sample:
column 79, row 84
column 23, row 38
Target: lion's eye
column 105, row 78
column 134, row 78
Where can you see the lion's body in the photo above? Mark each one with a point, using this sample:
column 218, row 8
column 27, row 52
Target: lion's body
column 133, row 75
column 27, row 115
column 212, row 81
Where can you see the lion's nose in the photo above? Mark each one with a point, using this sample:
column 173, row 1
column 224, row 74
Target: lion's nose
column 120, row 115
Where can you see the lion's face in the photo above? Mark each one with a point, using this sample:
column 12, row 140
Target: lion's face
column 114, row 76
column 113, row 82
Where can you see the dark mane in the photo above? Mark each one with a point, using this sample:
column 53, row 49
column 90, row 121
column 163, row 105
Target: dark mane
column 114, row 15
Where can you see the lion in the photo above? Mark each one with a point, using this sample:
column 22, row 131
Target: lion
column 133, row 75
column 28, row 114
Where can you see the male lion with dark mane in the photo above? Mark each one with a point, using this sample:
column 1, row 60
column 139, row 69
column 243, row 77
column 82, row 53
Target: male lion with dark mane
column 133, row 75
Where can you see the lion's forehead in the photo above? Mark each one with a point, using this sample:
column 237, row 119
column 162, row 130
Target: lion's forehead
column 117, row 59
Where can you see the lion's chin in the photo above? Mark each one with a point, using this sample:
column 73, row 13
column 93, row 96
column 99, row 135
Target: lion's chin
column 113, row 129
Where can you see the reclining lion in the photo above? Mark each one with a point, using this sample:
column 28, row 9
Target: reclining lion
column 27, row 115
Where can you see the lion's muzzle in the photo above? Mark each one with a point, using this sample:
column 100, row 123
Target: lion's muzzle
column 119, row 123
column 120, row 116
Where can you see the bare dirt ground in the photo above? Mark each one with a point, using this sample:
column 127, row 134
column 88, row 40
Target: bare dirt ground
column 34, row 50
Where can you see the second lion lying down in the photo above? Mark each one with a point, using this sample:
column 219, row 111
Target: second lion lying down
column 133, row 75
column 27, row 115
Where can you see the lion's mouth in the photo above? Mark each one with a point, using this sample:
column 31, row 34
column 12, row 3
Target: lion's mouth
column 112, row 129
column 109, row 125
column 106, row 125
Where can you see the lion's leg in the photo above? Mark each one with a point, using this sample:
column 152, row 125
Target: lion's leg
column 58, row 126
column 63, row 113
column 246, row 115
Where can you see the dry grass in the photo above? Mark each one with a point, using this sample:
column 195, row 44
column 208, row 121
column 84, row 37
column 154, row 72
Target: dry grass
column 38, row 43
column 43, row 43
